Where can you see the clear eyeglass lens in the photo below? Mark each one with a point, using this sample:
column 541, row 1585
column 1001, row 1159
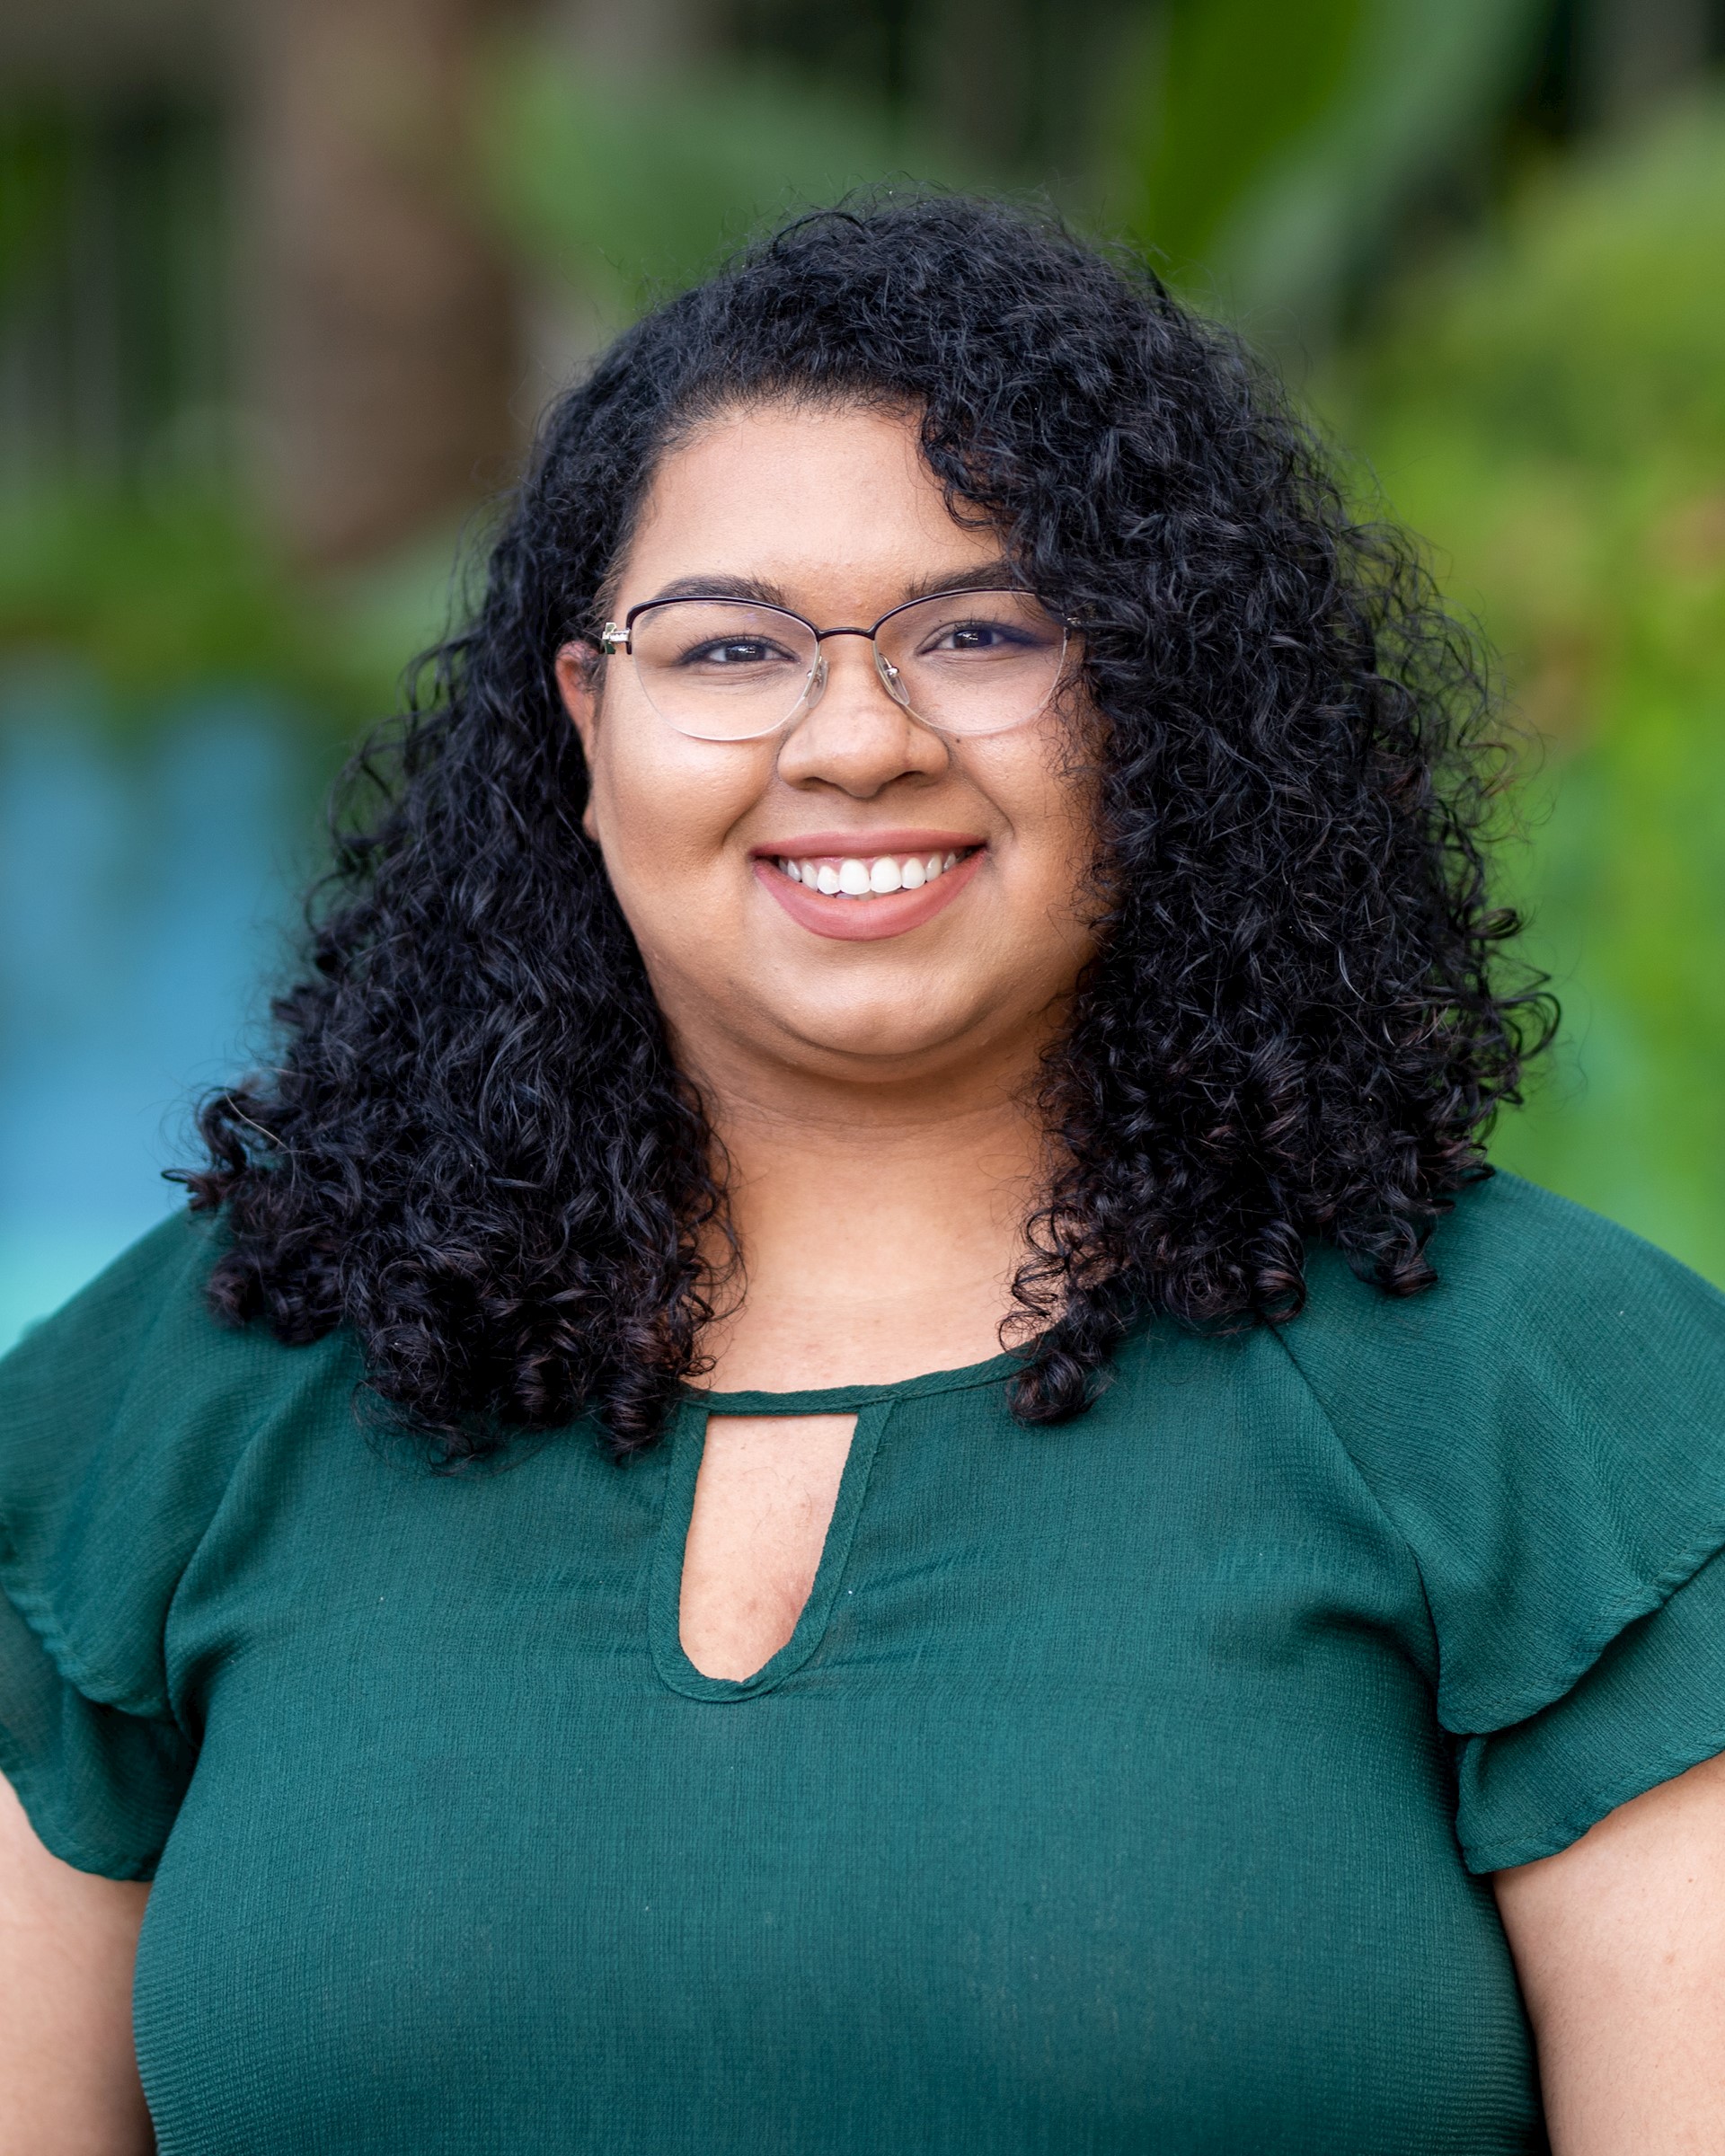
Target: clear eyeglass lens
column 722, row 669
column 976, row 662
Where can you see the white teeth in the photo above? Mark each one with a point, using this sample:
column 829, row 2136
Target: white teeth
column 867, row 877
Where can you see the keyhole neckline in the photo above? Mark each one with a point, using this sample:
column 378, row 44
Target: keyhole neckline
column 874, row 1406
column 687, row 1440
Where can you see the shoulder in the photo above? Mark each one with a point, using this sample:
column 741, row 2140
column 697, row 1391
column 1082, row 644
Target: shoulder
column 140, row 1345
column 1556, row 1353
column 1551, row 1335
column 1516, row 1267
column 122, row 1420
column 153, row 1289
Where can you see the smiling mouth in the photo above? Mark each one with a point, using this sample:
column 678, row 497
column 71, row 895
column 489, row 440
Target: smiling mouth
column 869, row 875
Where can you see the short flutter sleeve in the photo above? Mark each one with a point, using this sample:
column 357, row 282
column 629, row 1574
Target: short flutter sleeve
column 1545, row 1428
column 119, row 1426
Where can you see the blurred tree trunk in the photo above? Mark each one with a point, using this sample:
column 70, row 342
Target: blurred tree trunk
column 382, row 320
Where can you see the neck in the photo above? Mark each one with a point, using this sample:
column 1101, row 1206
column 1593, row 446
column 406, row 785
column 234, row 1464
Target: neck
column 880, row 1222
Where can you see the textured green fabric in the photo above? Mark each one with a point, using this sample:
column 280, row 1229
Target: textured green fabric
column 1126, row 1786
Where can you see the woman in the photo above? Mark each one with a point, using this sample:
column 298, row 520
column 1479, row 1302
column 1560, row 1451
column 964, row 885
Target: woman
column 1028, row 1554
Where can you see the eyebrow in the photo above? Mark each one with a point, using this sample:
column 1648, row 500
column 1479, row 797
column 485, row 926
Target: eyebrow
column 986, row 576
column 722, row 588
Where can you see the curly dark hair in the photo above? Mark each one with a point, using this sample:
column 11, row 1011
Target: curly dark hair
column 476, row 1148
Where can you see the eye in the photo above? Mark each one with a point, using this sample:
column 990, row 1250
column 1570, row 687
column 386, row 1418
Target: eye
column 982, row 639
column 734, row 651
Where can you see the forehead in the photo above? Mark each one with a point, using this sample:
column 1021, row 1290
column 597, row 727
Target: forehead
column 828, row 501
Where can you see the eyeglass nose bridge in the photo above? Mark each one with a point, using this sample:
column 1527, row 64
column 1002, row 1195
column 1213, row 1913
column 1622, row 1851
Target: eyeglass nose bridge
column 815, row 687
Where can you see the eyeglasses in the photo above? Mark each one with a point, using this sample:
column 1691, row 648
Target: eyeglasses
column 963, row 662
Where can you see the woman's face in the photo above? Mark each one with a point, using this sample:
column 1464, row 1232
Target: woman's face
column 833, row 515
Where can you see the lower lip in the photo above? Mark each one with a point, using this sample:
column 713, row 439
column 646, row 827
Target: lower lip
column 866, row 919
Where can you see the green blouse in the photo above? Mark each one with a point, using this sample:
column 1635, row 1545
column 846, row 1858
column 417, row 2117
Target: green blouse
column 1126, row 1786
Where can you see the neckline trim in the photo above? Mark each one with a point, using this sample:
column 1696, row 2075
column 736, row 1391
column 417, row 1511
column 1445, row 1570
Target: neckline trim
column 845, row 1399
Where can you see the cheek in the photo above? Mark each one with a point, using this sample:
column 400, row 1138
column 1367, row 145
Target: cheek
column 1050, row 802
column 663, row 810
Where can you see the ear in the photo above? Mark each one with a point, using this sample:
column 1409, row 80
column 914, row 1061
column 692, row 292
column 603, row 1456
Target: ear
column 578, row 683
column 577, row 680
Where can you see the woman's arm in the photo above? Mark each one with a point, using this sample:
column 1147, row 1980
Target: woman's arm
column 1619, row 1944
column 68, row 2077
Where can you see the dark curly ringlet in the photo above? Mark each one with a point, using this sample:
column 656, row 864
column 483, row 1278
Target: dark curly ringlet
column 476, row 1148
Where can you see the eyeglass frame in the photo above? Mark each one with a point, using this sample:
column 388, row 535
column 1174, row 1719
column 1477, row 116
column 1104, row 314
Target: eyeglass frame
column 614, row 641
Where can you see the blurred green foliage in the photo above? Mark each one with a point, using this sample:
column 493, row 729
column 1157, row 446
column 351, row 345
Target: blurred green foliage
column 162, row 594
column 623, row 186
column 1270, row 154
column 1548, row 407
column 35, row 176
column 156, row 595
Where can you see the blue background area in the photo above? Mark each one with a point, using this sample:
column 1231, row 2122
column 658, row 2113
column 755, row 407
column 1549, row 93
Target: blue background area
column 146, row 884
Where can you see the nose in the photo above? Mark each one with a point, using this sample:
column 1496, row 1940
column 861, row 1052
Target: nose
column 852, row 735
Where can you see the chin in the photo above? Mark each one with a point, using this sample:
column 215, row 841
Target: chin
column 912, row 1027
